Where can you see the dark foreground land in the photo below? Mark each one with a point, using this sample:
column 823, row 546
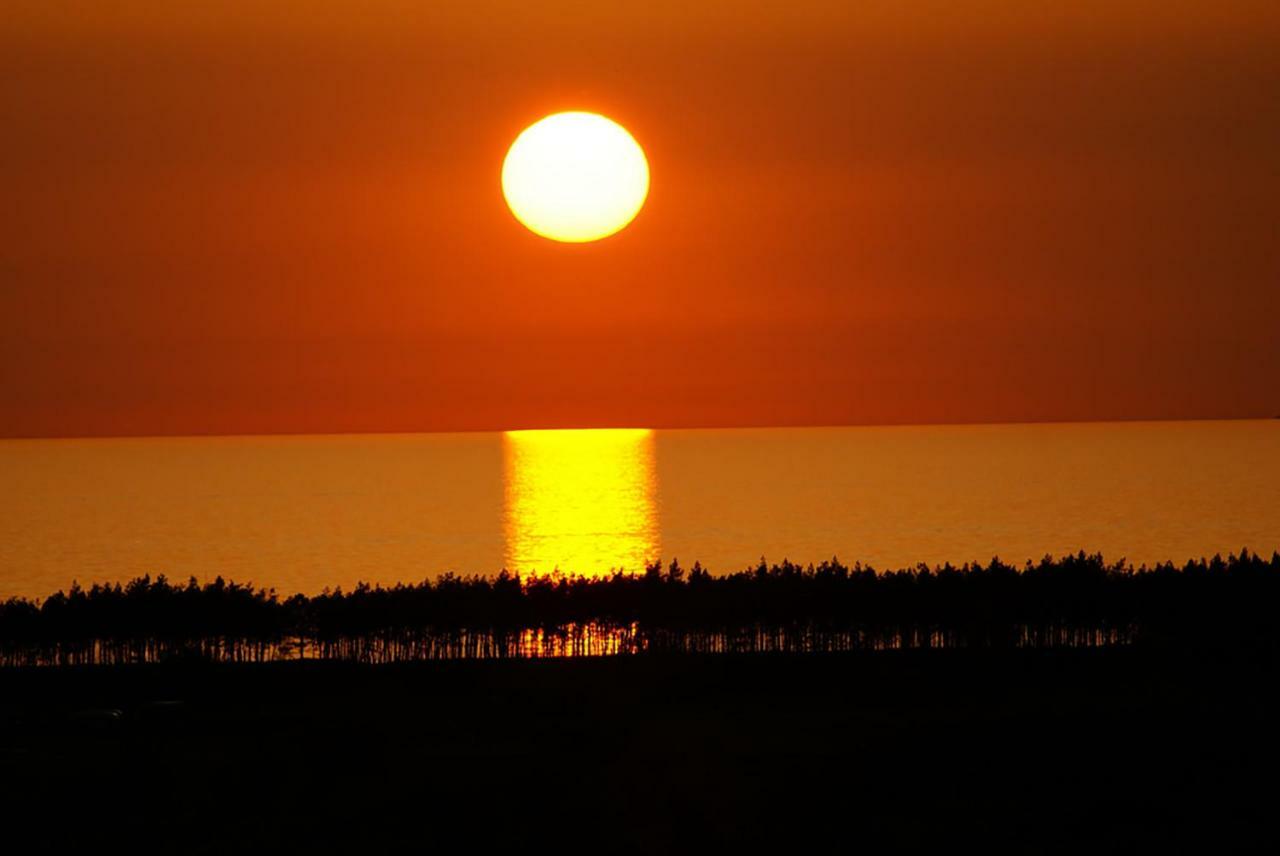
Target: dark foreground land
column 1114, row 750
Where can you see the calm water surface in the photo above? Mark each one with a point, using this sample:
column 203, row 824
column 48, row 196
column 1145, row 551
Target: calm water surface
column 303, row 513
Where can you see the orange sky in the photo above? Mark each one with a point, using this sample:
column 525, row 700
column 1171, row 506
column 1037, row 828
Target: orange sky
column 285, row 216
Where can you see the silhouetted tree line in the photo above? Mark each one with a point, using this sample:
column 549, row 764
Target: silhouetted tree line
column 1074, row 601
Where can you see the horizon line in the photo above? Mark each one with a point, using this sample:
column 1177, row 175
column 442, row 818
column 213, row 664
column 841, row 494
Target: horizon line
column 527, row 429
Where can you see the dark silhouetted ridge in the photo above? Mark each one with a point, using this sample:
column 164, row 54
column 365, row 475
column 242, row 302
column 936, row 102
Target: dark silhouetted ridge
column 1072, row 602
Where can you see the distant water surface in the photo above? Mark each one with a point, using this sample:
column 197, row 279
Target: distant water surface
column 303, row 513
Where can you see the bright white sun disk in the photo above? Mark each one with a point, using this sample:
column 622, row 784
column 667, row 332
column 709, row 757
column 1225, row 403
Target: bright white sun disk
column 575, row 177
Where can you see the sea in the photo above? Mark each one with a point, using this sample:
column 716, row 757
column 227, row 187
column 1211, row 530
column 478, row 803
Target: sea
column 305, row 513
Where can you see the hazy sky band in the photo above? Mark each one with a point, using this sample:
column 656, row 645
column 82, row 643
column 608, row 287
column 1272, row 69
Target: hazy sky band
column 286, row 216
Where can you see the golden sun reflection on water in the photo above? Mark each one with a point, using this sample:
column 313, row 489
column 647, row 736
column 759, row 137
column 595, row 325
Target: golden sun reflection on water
column 582, row 502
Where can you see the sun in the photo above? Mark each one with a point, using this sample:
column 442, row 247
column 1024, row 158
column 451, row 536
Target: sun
column 575, row 177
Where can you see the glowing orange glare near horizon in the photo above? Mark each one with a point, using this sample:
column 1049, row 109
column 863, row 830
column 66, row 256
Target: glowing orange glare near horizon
column 579, row 501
